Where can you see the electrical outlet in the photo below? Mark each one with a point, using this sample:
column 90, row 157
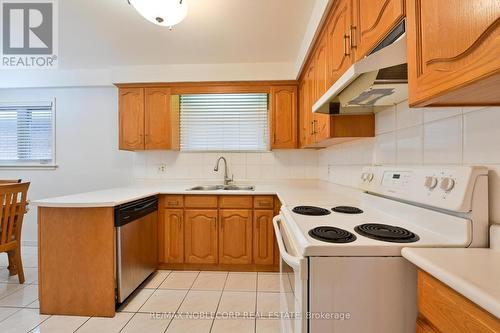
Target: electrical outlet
column 162, row 168
column 330, row 169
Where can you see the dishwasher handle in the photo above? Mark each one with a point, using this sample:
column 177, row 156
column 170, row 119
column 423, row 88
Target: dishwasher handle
column 132, row 211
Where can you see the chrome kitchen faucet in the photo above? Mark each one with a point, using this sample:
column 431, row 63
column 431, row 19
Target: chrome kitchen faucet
column 227, row 180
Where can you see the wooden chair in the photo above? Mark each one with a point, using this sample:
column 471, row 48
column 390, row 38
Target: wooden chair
column 12, row 210
column 9, row 181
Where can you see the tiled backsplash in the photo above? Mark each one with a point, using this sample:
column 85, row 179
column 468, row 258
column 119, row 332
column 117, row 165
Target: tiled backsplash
column 404, row 136
column 278, row 164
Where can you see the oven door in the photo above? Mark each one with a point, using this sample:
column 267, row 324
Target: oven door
column 293, row 286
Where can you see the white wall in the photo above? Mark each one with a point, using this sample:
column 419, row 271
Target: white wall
column 275, row 165
column 86, row 146
column 404, row 136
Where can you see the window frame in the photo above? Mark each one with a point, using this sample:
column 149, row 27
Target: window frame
column 20, row 164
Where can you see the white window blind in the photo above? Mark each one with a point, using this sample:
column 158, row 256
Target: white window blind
column 224, row 122
column 26, row 133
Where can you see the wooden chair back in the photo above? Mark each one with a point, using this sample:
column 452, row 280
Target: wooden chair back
column 12, row 210
column 9, row 181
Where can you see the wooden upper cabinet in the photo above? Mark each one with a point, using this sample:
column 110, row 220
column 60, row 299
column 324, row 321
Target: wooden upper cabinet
column 453, row 52
column 131, row 118
column 321, row 121
column 321, row 64
column 308, row 116
column 303, row 97
column 284, row 117
column 158, row 125
column 200, row 236
column 172, row 236
column 263, row 237
column 148, row 119
column 235, row 236
column 340, row 54
column 374, row 19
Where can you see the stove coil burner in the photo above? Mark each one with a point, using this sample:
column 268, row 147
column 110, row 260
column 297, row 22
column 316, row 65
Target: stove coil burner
column 332, row 235
column 310, row 210
column 347, row 210
column 386, row 233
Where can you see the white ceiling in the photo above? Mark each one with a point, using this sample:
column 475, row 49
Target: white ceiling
column 103, row 33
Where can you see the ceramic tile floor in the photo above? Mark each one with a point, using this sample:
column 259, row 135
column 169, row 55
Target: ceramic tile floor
column 169, row 301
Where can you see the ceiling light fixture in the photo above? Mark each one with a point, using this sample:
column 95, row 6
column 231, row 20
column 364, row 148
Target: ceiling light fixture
column 166, row 13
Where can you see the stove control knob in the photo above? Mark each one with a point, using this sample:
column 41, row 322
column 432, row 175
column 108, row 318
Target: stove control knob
column 447, row 184
column 430, row 182
column 369, row 177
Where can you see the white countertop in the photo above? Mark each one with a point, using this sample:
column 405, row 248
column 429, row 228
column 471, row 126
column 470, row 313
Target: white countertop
column 473, row 272
column 293, row 191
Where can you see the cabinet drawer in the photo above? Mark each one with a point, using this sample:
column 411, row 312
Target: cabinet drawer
column 200, row 201
column 263, row 202
column 449, row 311
column 235, row 201
column 173, row 201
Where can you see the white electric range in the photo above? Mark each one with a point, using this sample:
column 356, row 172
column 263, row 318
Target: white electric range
column 341, row 267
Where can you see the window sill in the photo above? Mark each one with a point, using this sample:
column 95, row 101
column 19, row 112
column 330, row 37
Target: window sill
column 28, row 167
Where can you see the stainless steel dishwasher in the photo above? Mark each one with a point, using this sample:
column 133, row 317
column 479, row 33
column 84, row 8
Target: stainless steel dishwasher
column 136, row 244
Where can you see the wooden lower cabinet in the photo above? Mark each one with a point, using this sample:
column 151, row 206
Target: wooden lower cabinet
column 218, row 232
column 171, row 229
column 443, row 310
column 424, row 327
column 200, row 236
column 235, row 236
column 263, row 237
column 76, row 261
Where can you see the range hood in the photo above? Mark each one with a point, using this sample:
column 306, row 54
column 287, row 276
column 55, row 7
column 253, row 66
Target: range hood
column 379, row 79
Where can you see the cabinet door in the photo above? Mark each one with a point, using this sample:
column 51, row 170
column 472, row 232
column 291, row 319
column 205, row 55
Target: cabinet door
column 423, row 327
column 172, row 234
column 453, row 50
column 311, row 94
column 321, row 121
column 200, row 236
column 374, row 19
column 263, row 237
column 340, row 56
column 131, row 118
column 284, row 117
column 158, row 125
column 235, row 236
column 303, row 100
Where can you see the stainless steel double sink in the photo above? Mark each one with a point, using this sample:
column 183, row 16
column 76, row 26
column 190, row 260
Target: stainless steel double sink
column 222, row 188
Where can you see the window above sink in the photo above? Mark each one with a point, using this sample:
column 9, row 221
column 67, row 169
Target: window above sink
column 224, row 122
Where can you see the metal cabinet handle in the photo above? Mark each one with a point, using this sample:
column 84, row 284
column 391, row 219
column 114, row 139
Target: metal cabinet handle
column 346, row 40
column 351, row 36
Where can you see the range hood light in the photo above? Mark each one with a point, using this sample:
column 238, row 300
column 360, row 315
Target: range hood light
column 166, row 13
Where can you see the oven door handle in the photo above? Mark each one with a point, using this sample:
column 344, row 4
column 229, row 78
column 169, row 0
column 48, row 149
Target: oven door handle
column 298, row 264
